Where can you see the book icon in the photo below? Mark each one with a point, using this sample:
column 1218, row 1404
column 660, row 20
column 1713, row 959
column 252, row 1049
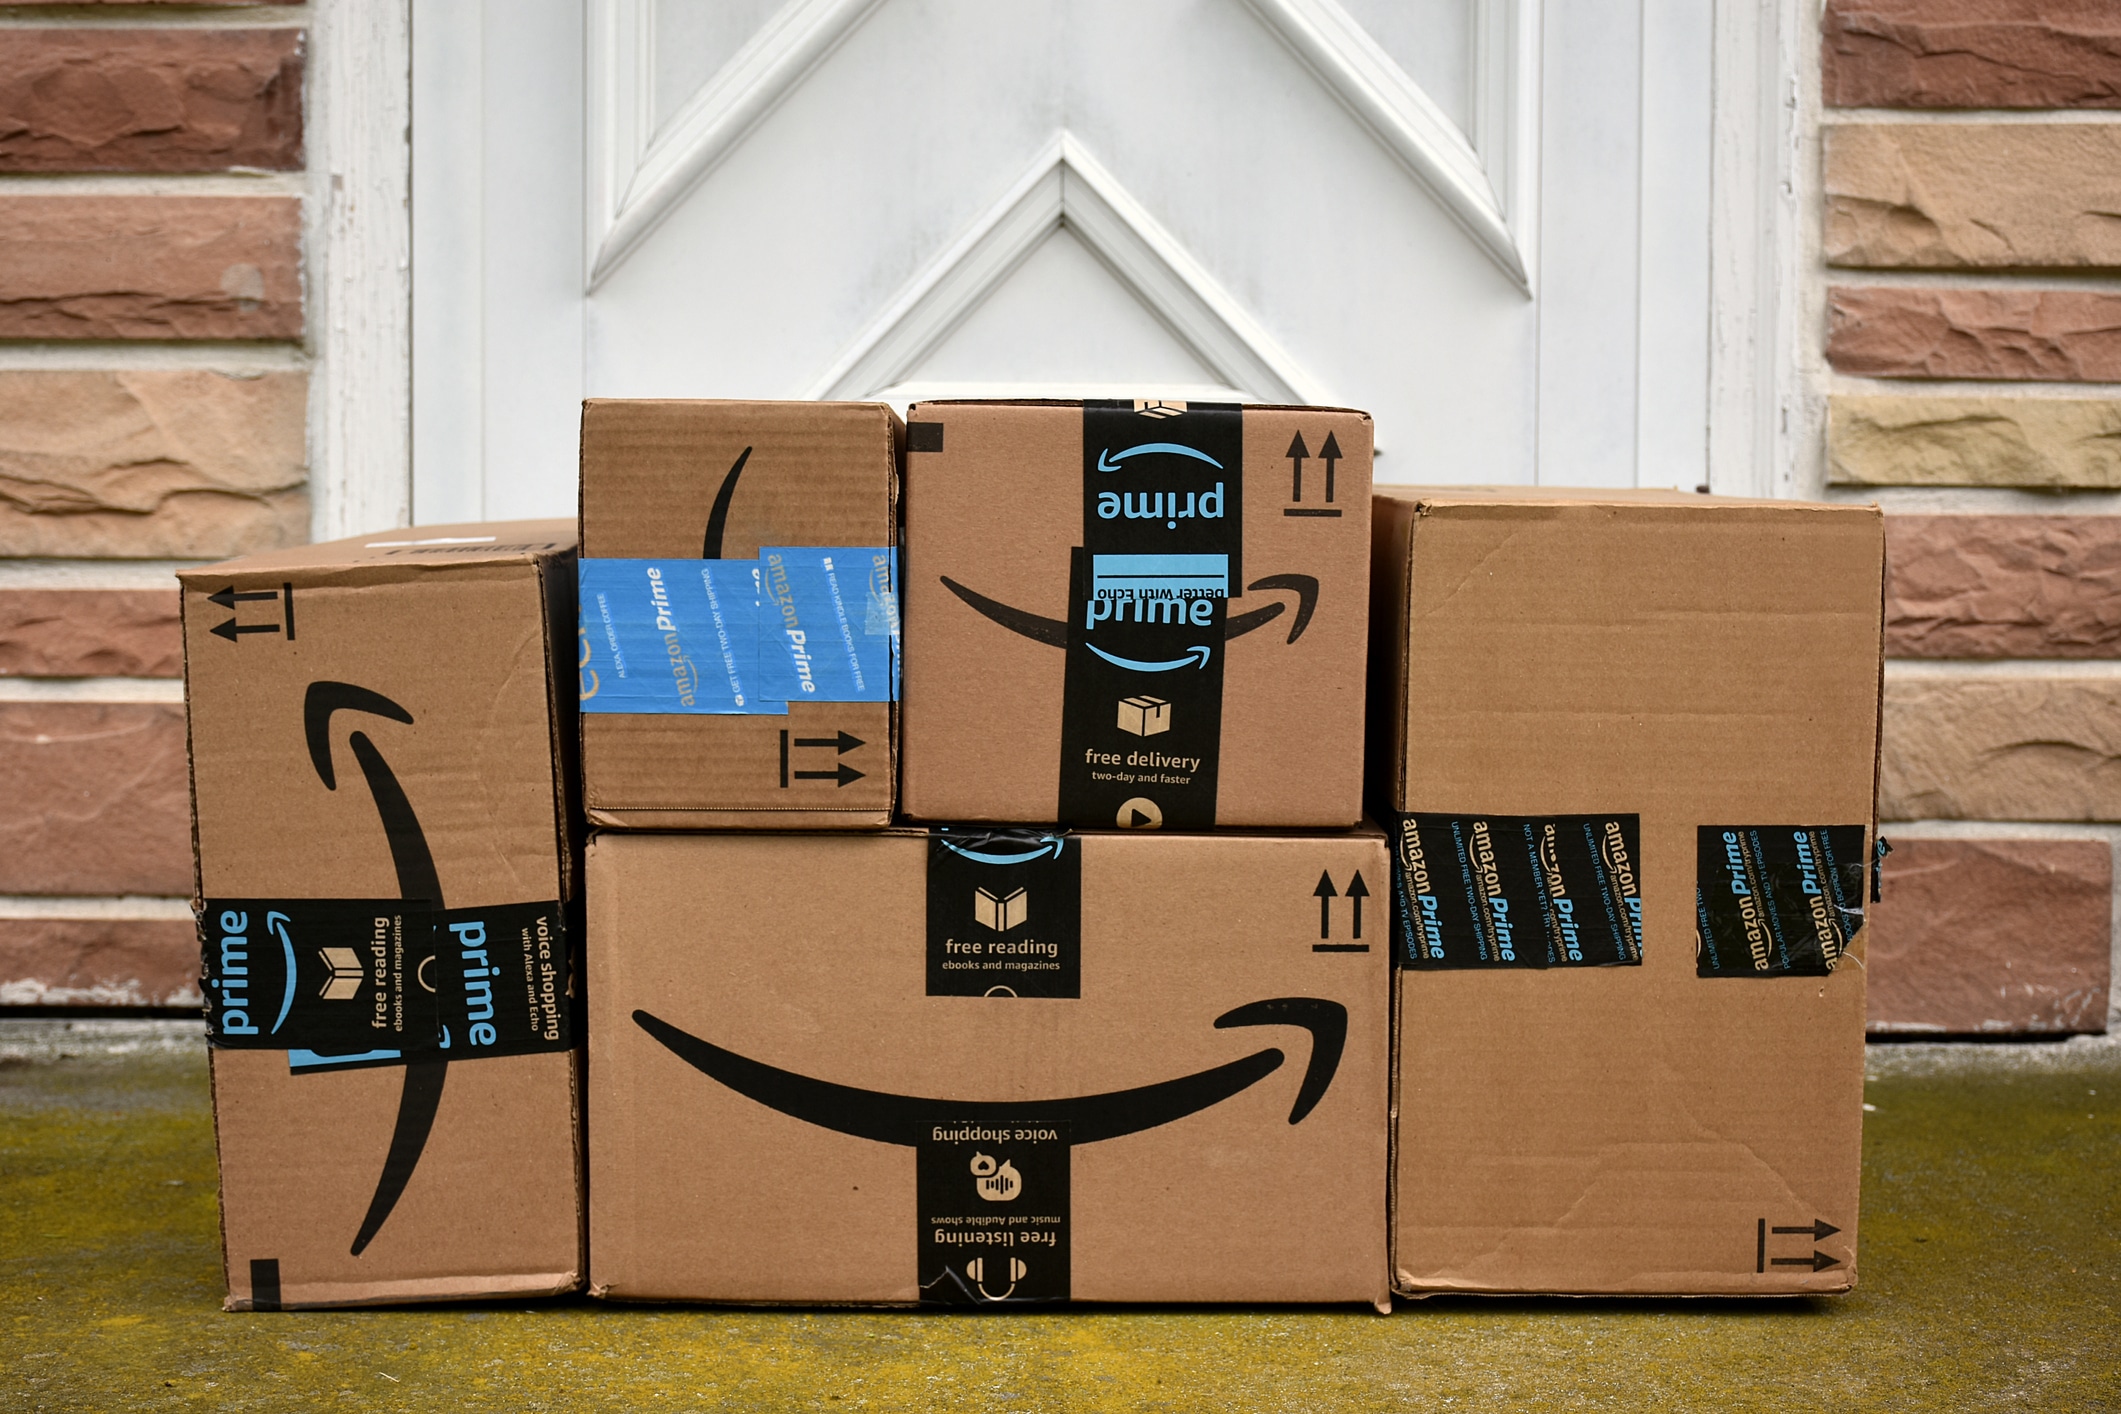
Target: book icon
column 345, row 980
column 1000, row 913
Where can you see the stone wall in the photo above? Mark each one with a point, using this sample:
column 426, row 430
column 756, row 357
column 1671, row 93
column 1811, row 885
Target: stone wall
column 1971, row 238
column 154, row 368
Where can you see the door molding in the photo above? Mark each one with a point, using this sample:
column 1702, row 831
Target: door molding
column 637, row 173
column 1487, row 180
column 1066, row 186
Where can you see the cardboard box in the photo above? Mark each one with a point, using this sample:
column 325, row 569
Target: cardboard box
column 810, row 1080
column 1629, row 745
column 1070, row 561
column 381, row 751
column 739, row 597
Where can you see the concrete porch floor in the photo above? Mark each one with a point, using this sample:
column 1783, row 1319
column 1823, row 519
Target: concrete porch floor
column 1991, row 1277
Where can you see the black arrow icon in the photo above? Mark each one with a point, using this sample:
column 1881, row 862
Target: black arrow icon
column 1296, row 454
column 843, row 775
column 1325, row 893
column 1329, row 454
column 845, row 741
column 1818, row 1231
column 228, row 598
column 1358, row 891
column 230, row 629
column 1818, row 1261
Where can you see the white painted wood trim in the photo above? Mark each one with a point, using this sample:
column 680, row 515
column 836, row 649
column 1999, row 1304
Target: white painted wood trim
column 1358, row 72
column 637, row 176
column 1065, row 185
column 448, row 262
column 359, row 241
column 1756, row 233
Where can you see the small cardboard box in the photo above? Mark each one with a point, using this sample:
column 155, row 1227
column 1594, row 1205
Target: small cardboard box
column 1073, row 560
column 821, row 1074
column 1628, row 744
column 381, row 742
column 739, row 597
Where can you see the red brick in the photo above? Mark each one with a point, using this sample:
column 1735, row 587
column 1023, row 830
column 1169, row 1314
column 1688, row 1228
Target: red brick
column 2003, row 586
column 89, row 633
column 65, row 962
column 1992, row 936
column 98, row 801
column 150, row 267
column 1905, row 332
column 153, row 100
column 1972, row 54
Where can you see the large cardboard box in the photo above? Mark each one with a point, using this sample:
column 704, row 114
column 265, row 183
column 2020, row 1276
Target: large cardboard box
column 1138, row 615
column 739, row 655
column 965, row 1068
column 1628, row 742
column 381, row 734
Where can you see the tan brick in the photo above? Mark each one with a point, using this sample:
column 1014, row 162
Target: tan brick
column 1973, row 195
column 2003, row 586
column 2001, row 748
column 154, row 464
column 98, row 801
column 63, row 962
column 150, row 267
column 90, row 633
column 1972, row 53
column 1997, row 936
column 1889, row 440
column 1900, row 332
column 150, row 100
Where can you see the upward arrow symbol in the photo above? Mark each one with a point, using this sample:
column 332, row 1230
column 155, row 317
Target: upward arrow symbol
column 228, row 598
column 1329, row 454
column 1357, row 892
column 1296, row 454
column 1325, row 893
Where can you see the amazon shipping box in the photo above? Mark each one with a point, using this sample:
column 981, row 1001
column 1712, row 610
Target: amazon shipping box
column 963, row 1068
column 1140, row 615
column 739, row 651
column 1627, row 744
column 381, row 750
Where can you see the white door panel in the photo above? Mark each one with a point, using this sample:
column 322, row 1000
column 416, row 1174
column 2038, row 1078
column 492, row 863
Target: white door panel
column 902, row 198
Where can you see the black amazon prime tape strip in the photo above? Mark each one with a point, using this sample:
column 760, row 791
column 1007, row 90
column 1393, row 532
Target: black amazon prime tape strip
column 1005, row 911
column 1518, row 890
column 1149, row 595
column 1776, row 900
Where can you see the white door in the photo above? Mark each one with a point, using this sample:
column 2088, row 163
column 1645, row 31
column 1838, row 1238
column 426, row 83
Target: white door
column 1484, row 221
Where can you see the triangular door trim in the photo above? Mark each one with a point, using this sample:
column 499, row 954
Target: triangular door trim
column 1066, row 186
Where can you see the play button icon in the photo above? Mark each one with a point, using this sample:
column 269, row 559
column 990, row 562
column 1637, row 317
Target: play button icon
column 1140, row 813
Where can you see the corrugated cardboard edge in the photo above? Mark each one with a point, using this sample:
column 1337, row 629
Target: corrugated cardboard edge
column 317, row 1296
column 791, row 821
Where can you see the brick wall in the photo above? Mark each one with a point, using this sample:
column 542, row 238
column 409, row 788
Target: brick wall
column 153, row 380
column 1971, row 176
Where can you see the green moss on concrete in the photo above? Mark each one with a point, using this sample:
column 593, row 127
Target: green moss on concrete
column 1991, row 1267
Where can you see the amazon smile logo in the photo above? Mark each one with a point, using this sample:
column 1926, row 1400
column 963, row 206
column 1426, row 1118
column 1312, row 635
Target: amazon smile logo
column 906, row 1119
column 417, row 883
column 1054, row 632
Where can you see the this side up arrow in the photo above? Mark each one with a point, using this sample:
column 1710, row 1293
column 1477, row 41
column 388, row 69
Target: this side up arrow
column 843, row 775
column 1358, row 891
column 1329, row 454
column 1296, row 454
column 845, row 741
column 1325, row 893
column 230, row 629
column 1819, row 1230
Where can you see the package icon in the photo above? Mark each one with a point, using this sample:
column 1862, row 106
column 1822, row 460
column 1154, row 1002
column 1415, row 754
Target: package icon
column 1000, row 914
column 1144, row 716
